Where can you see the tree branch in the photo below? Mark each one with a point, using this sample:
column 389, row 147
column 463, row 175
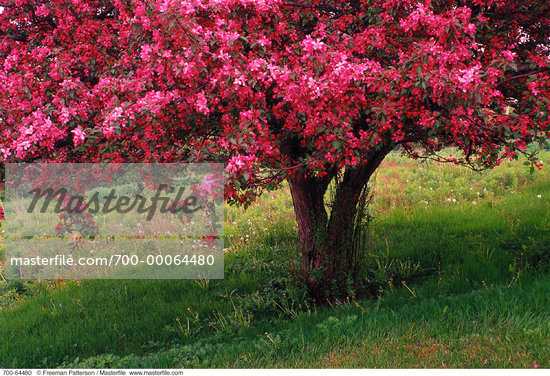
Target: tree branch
column 325, row 7
column 540, row 70
column 105, row 14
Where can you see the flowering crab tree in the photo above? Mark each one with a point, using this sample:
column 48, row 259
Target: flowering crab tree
column 304, row 91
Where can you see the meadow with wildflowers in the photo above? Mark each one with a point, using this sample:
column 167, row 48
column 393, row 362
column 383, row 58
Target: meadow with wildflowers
column 454, row 275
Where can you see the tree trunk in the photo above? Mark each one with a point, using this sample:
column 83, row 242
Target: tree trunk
column 328, row 254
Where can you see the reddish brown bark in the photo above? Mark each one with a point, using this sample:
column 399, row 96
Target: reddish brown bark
column 328, row 255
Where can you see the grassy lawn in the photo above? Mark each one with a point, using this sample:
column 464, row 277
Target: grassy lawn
column 458, row 262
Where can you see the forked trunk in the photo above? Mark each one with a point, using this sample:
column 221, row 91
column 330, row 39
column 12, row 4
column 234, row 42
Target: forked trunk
column 329, row 257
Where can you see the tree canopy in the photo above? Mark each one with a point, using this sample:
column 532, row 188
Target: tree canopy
column 267, row 84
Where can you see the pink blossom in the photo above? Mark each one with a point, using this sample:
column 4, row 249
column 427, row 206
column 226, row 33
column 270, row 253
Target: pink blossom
column 5, row 152
column 79, row 136
column 209, row 183
column 114, row 115
column 65, row 116
column 468, row 76
column 108, row 131
column 146, row 53
column 508, row 55
column 201, row 103
column 42, row 11
column 310, row 45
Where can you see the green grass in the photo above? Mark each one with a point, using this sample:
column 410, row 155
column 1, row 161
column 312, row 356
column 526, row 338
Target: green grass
column 485, row 242
column 458, row 284
column 507, row 326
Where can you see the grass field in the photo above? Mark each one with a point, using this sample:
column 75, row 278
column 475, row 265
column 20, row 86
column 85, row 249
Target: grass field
column 459, row 261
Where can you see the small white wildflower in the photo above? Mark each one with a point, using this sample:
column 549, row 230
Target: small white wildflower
column 474, row 203
column 454, row 199
column 539, row 196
